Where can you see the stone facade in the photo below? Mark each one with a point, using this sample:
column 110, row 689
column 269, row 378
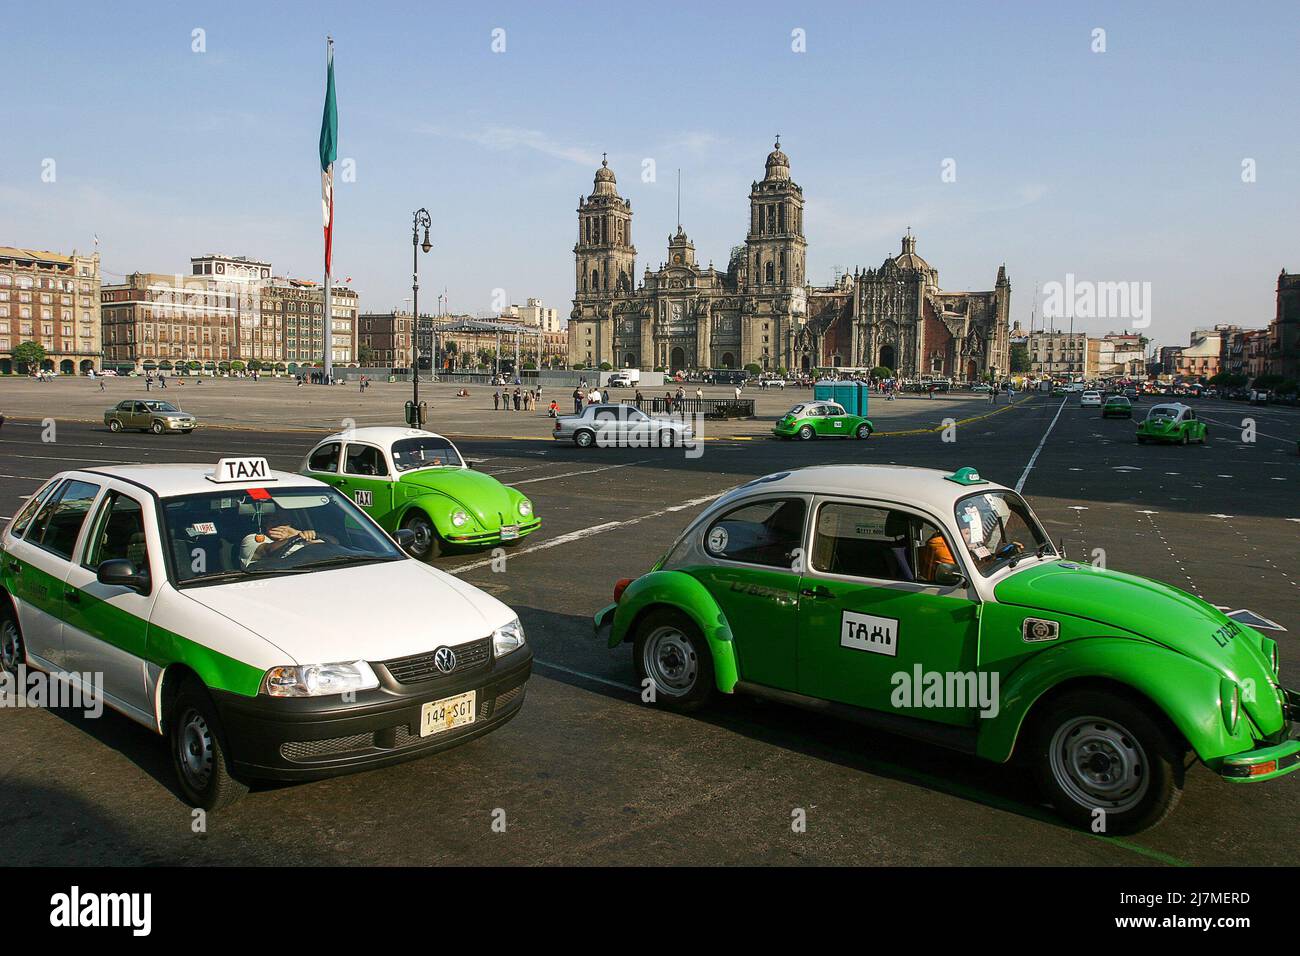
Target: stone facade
column 52, row 299
column 760, row 310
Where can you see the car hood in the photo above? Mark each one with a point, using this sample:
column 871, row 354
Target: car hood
column 321, row 618
column 1156, row 611
column 481, row 495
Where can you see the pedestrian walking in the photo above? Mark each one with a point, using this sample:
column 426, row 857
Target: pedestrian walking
column 577, row 401
column 496, row 400
column 517, row 398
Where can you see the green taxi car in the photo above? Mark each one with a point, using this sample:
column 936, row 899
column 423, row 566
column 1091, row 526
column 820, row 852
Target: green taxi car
column 935, row 606
column 1173, row 422
column 809, row 420
column 1117, row 406
column 418, row 480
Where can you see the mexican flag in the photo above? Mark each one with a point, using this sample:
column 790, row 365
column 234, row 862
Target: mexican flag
column 329, row 151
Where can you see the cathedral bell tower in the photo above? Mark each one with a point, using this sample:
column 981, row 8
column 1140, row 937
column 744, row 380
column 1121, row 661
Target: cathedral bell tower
column 775, row 245
column 606, row 258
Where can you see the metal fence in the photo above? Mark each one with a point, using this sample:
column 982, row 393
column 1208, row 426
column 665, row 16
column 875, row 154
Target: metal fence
column 707, row 407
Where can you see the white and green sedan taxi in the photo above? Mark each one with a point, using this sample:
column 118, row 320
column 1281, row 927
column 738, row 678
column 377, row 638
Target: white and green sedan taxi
column 258, row 619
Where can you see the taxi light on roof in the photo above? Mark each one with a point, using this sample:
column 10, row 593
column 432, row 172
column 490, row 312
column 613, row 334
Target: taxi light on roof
column 966, row 476
column 241, row 469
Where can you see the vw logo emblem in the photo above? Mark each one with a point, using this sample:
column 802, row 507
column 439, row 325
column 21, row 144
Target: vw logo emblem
column 444, row 658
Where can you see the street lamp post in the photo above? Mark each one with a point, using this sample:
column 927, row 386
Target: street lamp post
column 421, row 219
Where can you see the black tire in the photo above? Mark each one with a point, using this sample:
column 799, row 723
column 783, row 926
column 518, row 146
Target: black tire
column 1118, row 738
column 806, row 433
column 584, row 438
column 13, row 652
column 863, row 432
column 156, row 427
column 114, row 425
column 681, row 668
column 1183, row 439
column 427, row 543
column 667, row 438
column 199, row 752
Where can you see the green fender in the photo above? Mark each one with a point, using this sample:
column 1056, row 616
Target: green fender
column 436, row 506
column 680, row 591
column 1180, row 687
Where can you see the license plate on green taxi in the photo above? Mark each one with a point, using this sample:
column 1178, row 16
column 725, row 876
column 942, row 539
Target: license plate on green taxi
column 438, row 716
column 509, row 532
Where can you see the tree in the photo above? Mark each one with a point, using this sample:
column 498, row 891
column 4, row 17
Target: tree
column 29, row 355
column 366, row 354
column 605, row 367
column 752, row 369
column 882, row 371
column 1020, row 357
column 237, row 366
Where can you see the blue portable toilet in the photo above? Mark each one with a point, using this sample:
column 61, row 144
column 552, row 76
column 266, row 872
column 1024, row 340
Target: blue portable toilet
column 852, row 395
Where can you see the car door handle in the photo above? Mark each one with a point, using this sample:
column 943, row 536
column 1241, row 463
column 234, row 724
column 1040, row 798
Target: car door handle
column 818, row 592
column 15, row 566
column 73, row 595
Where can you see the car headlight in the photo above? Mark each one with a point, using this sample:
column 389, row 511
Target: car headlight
column 319, row 680
column 509, row 637
column 1230, row 701
column 525, row 507
column 458, row 518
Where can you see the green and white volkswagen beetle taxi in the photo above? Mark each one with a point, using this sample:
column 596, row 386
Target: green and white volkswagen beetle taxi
column 935, row 606
column 418, row 480
column 257, row 619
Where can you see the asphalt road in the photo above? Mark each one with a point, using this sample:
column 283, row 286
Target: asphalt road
column 587, row 774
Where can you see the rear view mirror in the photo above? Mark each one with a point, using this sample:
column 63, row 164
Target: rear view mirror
column 119, row 572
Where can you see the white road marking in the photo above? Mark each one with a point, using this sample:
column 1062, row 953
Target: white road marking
column 583, row 674
column 582, row 533
column 1034, row 457
column 108, row 461
column 589, row 471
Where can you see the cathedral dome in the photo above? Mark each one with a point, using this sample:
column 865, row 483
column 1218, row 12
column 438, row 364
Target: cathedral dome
column 908, row 258
column 778, row 163
column 605, row 184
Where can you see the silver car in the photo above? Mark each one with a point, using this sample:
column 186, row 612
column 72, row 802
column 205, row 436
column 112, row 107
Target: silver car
column 149, row 415
column 621, row 426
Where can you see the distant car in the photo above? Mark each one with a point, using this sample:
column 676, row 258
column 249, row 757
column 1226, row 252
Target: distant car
column 1171, row 422
column 149, row 416
column 1117, row 406
column 982, row 387
column 621, row 380
column 620, row 426
column 772, row 383
column 1131, row 393
column 1090, row 400
column 809, row 420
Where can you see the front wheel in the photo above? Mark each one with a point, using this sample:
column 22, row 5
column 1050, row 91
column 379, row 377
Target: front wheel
column 864, row 432
column 199, row 752
column 1105, row 764
column 156, row 428
column 427, row 543
column 805, row 433
column 672, row 655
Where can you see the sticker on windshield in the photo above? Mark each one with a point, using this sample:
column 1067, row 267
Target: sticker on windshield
column 864, row 632
column 718, row 539
column 201, row 527
column 975, row 535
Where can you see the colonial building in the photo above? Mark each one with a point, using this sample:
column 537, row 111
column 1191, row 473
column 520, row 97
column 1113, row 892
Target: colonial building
column 760, row 310
column 1284, row 330
column 51, row 299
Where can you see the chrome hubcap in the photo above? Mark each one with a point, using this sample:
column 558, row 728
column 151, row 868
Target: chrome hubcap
column 671, row 660
column 1099, row 763
column 423, row 537
column 195, row 750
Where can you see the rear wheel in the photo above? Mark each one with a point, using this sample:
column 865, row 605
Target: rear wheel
column 805, row 433
column 114, row 425
column 1105, row 763
column 12, row 653
column 199, row 751
column 584, row 438
column 1182, row 440
column 427, row 543
column 673, row 655
column 864, row 431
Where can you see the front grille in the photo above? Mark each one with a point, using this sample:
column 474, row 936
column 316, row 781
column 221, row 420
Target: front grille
column 420, row 667
column 301, row 751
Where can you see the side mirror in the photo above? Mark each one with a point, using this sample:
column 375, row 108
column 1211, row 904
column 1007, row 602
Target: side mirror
column 119, row 572
column 948, row 576
column 469, row 464
column 405, row 537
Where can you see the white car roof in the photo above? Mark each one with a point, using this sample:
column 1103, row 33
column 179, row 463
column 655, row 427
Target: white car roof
column 382, row 435
column 169, row 481
column 926, row 488
column 1176, row 407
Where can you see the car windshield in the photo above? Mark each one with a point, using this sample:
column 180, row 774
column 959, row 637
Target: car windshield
column 432, row 451
column 999, row 530
column 225, row 535
column 161, row 407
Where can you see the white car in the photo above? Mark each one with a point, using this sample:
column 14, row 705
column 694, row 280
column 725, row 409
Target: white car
column 1090, row 400
column 257, row 619
column 621, row 426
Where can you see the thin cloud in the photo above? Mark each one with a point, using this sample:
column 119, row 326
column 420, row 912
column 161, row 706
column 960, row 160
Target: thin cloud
column 508, row 138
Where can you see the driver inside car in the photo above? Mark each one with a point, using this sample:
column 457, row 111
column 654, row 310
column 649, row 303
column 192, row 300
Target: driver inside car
column 278, row 542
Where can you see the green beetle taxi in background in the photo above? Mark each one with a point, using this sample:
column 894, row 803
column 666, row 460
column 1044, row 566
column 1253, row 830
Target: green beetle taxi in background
column 820, row 419
column 418, row 480
column 1172, row 422
column 935, row 606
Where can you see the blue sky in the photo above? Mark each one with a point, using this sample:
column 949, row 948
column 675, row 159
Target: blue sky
column 1115, row 166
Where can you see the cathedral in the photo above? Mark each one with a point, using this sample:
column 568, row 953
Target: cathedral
column 760, row 309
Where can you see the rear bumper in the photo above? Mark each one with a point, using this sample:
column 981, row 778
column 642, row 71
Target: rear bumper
column 310, row 738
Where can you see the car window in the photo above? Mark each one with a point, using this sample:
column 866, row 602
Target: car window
column 124, row 406
column 60, row 519
column 798, row 409
column 998, row 528
column 161, row 407
column 832, row 410
column 119, row 533
column 325, row 458
column 764, row 532
column 138, row 407
column 23, row 519
column 365, row 460
column 886, row 544
column 606, row 415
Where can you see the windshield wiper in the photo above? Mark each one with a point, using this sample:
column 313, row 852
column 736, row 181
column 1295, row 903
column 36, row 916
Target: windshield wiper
column 345, row 559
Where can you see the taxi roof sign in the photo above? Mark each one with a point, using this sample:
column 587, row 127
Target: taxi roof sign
column 241, row 469
column 966, row 476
